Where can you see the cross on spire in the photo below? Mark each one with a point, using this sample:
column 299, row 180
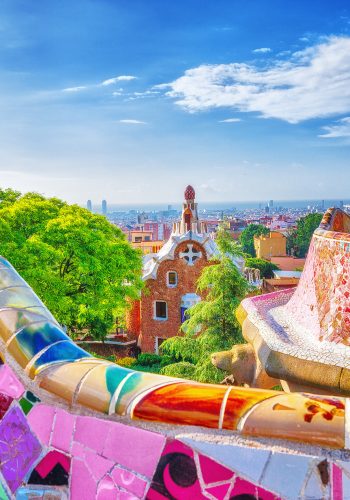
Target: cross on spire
column 190, row 255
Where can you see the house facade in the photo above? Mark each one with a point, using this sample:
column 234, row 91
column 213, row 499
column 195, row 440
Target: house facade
column 171, row 279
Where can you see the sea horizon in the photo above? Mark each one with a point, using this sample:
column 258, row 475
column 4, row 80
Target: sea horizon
column 224, row 205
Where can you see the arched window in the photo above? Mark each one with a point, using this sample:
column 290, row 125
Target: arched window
column 172, row 279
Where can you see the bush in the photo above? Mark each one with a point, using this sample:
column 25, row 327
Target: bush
column 183, row 369
column 148, row 369
column 148, row 359
column 126, row 362
column 181, row 348
column 166, row 360
column 265, row 267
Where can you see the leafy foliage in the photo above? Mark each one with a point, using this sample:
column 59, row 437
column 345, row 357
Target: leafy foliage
column 8, row 196
column 148, row 359
column 79, row 264
column 299, row 240
column 214, row 317
column 265, row 267
column 126, row 362
column 183, row 369
column 247, row 237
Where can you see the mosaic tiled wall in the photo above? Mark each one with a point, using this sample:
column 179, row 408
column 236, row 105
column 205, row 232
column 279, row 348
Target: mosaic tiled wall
column 49, row 452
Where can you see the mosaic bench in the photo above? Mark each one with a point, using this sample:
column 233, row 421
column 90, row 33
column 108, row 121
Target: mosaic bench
column 302, row 336
column 74, row 426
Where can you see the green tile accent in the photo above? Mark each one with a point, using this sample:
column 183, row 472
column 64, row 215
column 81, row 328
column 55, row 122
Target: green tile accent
column 3, row 494
column 26, row 405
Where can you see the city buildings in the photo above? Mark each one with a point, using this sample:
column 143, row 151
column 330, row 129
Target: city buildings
column 272, row 245
column 104, row 207
column 89, row 205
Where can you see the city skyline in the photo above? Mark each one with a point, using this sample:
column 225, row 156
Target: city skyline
column 245, row 100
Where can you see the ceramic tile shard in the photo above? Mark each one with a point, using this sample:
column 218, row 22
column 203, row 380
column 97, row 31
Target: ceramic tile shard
column 9, row 383
column 19, row 448
column 52, row 470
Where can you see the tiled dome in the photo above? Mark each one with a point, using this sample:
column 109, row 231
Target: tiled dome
column 190, row 193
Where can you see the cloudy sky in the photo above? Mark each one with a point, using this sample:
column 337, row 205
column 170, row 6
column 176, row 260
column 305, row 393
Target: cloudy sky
column 131, row 100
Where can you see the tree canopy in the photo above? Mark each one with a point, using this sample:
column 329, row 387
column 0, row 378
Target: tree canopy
column 77, row 262
column 298, row 241
column 223, row 287
column 247, row 237
column 265, row 267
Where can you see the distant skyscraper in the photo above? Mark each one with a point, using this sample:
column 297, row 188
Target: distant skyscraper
column 341, row 204
column 169, row 207
column 271, row 203
column 89, row 205
column 322, row 205
column 104, row 207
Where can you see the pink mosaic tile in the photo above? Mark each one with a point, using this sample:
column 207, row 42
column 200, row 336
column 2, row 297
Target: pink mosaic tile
column 83, row 485
column 9, row 383
column 107, row 490
column 129, row 481
column 337, row 482
column 63, row 430
column 212, row 472
column 98, row 465
column 40, row 419
column 134, row 448
column 242, row 487
column 96, row 439
column 219, row 492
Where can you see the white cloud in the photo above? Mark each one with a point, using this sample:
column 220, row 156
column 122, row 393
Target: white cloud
column 341, row 129
column 230, row 120
column 74, row 89
column 133, row 122
column 314, row 82
column 262, row 50
column 122, row 78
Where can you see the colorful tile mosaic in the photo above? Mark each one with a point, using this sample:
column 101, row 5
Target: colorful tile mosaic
column 303, row 335
column 60, row 438
column 19, row 448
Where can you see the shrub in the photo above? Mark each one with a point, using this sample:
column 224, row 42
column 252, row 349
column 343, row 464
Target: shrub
column 166, row 360
column 148, row 369
column 265, row 267
column 183, row 369
column 148, row 359
column 126, row 362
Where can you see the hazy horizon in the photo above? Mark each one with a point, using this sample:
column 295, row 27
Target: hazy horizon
column 244, row 100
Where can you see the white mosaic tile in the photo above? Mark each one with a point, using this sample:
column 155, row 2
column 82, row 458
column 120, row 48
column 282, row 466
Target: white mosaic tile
column 286, row 474
column 314, row 489
column 346, row 487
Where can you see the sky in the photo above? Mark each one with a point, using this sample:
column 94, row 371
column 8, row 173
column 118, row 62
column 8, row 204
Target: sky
column 131, row 100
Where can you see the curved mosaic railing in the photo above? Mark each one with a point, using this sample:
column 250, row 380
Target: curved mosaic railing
column 34, row 342
column 302, row 335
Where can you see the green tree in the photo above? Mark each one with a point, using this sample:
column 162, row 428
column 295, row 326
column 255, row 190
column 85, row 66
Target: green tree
column 8, row 196
column 305, row 229
column 211, row 325
column 247, row 237
column 265, row 267
column 79, row 264
column 291, row 242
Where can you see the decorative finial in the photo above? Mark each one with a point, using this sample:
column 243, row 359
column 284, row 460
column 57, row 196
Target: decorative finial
column 190, row 193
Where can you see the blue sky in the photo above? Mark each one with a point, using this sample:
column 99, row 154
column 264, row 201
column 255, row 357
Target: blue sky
column 132, row 100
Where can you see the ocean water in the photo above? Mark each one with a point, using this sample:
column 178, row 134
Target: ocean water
column 238, row 205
